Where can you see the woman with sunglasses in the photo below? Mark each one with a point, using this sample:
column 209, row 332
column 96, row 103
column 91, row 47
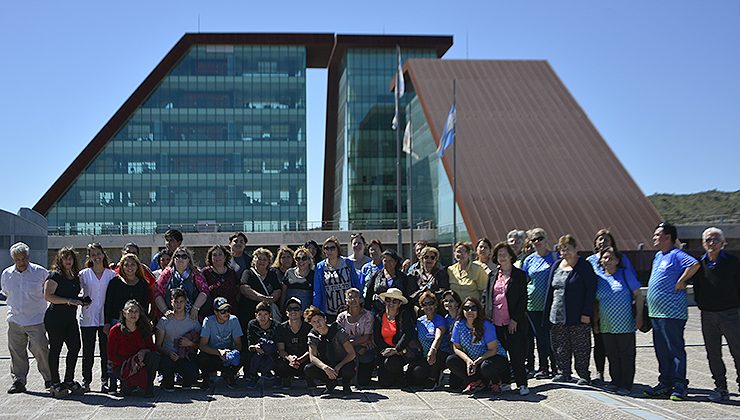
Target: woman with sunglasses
column 390, row 276
column 466, row 278
column 220, row 278
column 477, row 360
column 430, row 329
column 358, row 323
column 537, row 266
column 506, row 302
column 94, row 280
column 131, row 351
column 395, row 338
column 298, row 281
column 332, row 277
column 569, row 308
column 428, row 275
column 181, row 274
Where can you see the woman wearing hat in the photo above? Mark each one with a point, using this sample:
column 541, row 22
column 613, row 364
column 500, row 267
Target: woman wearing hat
column 395, row 337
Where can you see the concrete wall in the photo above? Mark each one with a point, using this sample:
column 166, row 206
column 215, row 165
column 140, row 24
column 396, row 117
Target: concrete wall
column 26, row 226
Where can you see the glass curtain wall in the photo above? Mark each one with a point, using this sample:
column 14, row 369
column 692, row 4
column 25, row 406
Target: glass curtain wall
column 218, row 145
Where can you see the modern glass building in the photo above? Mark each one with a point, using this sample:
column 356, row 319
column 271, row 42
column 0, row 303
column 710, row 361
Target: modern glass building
column 366, row 143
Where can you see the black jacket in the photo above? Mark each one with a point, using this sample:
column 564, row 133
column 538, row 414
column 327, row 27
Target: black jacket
column 439, row 284
column 718, row 288
column 516, row 296
column 405, row 338
column 580, row 292
column 379, row 284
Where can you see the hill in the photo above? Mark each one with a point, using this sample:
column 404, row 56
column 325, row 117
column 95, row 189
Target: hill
column 703, row 207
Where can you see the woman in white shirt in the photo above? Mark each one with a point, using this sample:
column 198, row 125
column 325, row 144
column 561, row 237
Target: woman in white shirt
column 94, row 281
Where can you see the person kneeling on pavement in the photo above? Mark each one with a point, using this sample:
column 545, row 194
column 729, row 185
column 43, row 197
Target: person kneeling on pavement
column 261, row 333
column 220, row 337
column 292, row 343
column 177, row 340
column 131, row 351
column 330, row 352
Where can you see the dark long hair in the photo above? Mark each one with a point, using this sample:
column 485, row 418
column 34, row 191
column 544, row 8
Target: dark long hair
column 478, row 325
column 142, row 324
column 96, row 245
column 58, row 265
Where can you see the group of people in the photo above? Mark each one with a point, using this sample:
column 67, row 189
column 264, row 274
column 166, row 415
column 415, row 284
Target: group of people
column 314, row 314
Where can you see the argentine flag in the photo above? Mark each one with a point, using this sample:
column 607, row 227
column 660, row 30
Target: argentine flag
column 448, row 135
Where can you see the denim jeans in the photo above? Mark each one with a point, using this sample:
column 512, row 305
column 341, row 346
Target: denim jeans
column 670, row 351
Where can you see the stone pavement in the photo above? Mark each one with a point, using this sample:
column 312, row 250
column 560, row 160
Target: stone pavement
column 547, row 400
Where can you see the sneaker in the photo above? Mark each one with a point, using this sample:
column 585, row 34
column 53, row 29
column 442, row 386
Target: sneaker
column 506, row 387
column 16, row 388
column 583, row 382
column 658, row 391
column 86, row 386
column 473, row 387
column 496, row 388
column 598, row 381
column 59, row 391
column 346, row 390
column 523, row 390
column 678, row 395
column 542, row 374
column 48, row 384
column 530, row 374
column 75, row 388
column 330, row 386
column 719, row 394
column 560, row 377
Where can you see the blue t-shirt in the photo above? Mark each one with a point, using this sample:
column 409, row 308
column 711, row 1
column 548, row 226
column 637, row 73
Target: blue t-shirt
column 463, row 336
column 221, row 336
column 662, row 298
column 613, row 292
column 426, row 329
column 538, row 272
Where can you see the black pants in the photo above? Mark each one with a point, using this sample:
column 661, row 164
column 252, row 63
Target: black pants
column 620, row 349
column 572, row 342
column 494, row 369
column 187, row 368
column 285, row 371
column 421, row 371
column 313, row 373
column 544, row 350
column 516, row 345
column 88, row 353
column 210, row 363
column 62, row 330
column 599, row 353
column 713, row 326
column 390, row 370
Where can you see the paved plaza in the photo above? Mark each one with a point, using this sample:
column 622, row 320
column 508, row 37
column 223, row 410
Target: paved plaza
column 547, row 400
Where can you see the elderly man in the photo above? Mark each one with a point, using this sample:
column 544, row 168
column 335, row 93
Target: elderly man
column 717, row 293
column 23, row 284
column 668, row 311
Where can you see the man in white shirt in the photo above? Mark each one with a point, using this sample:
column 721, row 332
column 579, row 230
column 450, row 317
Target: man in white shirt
column 23, row 284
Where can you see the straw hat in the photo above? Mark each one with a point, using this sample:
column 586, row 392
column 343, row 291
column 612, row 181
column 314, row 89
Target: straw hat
column 394, row 293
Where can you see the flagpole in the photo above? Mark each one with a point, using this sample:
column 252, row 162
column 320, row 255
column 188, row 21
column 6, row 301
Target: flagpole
column 410, row 200
column 454, row 169
column 398, row 160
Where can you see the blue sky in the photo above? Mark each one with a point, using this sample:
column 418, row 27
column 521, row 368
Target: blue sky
column 659, row 79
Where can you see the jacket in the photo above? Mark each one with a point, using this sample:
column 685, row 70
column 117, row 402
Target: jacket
column 319, row 290
column 580, row 292
column 516, row 295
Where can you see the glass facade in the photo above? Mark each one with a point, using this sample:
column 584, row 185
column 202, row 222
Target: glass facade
column 365, row 193
column 432, row 189
column 218, row 145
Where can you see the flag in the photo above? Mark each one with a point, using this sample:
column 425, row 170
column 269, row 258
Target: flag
column 399, row 91
column 448, row 135
column 407, row 141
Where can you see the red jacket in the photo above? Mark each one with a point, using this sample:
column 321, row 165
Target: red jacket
column 122, row 346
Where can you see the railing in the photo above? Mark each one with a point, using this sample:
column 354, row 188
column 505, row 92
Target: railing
column 253, row 226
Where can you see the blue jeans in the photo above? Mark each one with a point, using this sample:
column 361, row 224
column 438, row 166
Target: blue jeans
column 670, row 351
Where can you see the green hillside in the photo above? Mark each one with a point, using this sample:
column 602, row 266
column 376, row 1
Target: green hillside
column 703, row 207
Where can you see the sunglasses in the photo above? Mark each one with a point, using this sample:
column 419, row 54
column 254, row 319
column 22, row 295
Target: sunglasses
column 393, row 301
column 429, row 257
column 712, row 240
column 224, row 311
column 428, row 303
column 182, row 256
column 303, row 258
column 470, row 308
column 294, row 308
column 330, row 248
column 539, row 238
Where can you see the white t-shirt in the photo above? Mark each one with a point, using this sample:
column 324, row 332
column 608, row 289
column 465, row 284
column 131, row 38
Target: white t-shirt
column 92, row 314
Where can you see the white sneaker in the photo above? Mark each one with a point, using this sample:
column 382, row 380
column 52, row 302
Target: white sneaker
column 523, row 390
column 505, row 387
